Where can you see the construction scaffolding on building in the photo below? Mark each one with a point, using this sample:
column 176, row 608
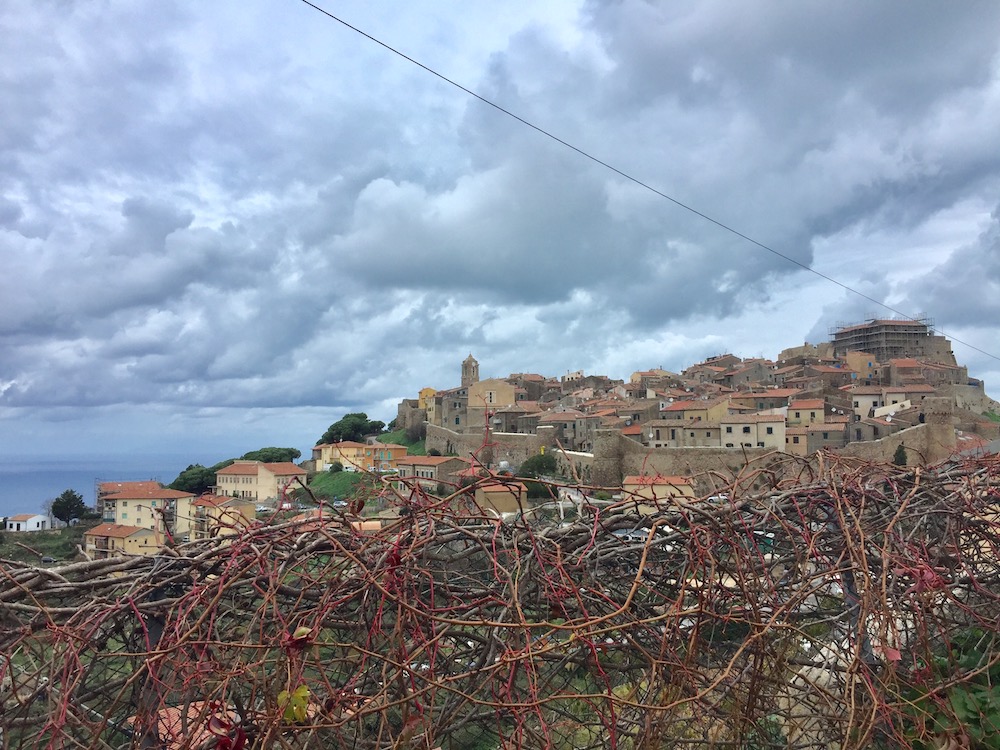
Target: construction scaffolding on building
column 887, row 339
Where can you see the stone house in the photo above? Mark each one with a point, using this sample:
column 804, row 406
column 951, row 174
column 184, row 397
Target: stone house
column 429, row 471
column 753, row 431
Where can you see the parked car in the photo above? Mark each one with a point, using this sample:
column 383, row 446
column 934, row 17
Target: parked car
column 48, row 559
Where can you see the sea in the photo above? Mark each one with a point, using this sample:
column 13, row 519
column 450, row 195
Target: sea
column 27, row 483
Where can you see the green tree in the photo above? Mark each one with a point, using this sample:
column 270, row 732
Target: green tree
column 535, row 466
column 196, row 479
column 352, row 426
column 69, row 505
column 899, row 457
column 272, row 455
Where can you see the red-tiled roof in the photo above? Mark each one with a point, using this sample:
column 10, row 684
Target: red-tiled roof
column 632, row 429
column 115, row 530
column 806, row 403
column 24, row 516
column 106, row 487
column 157, row 493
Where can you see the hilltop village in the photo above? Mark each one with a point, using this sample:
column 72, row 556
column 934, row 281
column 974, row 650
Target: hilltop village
column 875, row 386
column 881, row 391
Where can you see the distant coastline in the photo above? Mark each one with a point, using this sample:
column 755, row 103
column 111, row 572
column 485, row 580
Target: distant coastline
column 27, row 482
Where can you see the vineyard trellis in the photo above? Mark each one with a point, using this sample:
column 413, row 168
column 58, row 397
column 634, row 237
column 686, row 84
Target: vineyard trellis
column 832, row 603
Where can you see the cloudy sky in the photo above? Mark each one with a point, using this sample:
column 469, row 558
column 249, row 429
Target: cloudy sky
column 226, row 224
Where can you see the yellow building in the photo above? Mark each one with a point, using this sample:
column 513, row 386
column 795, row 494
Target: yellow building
column 353, row 456
column 221, row 516
column 753, row 431
column 804, row 412
column 147, row 505
column 502, row 497
column 112, row 540
column 258, row 481
column 425, row 399
column 486, row 396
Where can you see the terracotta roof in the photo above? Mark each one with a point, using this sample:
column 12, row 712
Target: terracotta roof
column 215, row 501
column 115, row 530
column 157, row 493
column 24, row 516
column 108, row 487
column 280, row 468
column 632, row 429
column 806, row 403
column 686, row 405
column 347, row 444
column 904, row 362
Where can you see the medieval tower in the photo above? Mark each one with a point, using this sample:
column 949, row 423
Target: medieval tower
column 470, row 371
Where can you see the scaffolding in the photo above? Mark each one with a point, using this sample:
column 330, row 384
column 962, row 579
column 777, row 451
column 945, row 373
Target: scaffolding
column 885, row 339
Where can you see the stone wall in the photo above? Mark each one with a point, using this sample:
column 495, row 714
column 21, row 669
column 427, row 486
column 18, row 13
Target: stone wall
column 514, row 448
column 615, row 456
column 928, row 443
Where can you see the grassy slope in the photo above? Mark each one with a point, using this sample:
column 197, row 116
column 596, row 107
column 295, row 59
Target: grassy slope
column 399, row 438
column 341, row 484
column 59, row 544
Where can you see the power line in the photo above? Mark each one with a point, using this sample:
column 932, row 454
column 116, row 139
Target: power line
column 634, row 180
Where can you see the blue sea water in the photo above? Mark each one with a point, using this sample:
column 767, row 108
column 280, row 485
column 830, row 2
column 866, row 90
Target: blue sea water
column 26, row 483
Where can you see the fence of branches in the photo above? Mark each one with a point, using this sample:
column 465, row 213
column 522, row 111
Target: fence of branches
column 805, row 605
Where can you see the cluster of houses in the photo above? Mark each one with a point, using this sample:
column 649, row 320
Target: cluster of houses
column 867, row 383
column 138, row 518
column 810, row 398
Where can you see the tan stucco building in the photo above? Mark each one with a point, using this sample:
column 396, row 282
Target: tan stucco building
column 753, row 431
column 111, row 540
column 221, row 516
column 354, row 456
column 258, row 481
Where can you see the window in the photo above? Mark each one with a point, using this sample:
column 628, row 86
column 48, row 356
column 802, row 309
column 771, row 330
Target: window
column 826, row 435
column 857, row 434
column 797, row 415
column 729, row 429
column 708, row 433
column 746, row 430
column 458, row 420
column 856, row 404
column 729, row 445
column 770, row 430
column 692, row 434
column 673, row 434
column 760, row 445
column 795, row 439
